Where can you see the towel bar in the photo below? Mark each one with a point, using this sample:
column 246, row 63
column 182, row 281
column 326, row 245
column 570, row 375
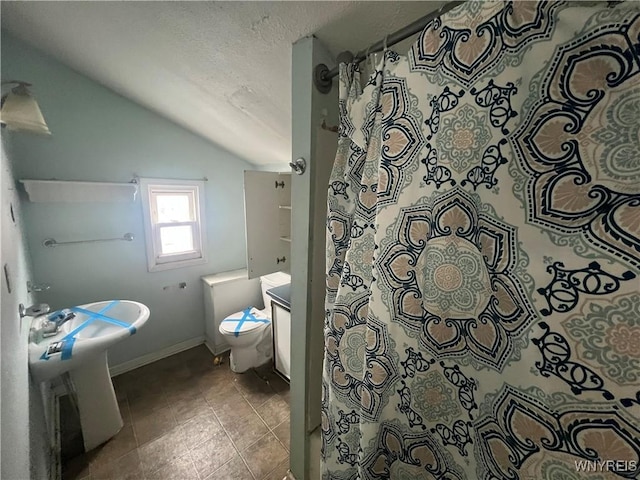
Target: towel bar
column 51, row 242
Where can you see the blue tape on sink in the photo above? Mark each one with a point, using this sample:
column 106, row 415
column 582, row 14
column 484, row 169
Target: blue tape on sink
column 70, row 339
column 247, row 316
column 104, row 318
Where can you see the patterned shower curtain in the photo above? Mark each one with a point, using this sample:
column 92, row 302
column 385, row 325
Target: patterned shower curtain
column 483, row 251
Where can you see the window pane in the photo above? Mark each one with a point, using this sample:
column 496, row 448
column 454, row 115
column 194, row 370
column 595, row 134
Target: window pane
column 176, row 239
column 174, row 207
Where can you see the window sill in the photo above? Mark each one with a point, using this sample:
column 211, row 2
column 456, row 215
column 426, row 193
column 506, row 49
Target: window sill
column 158, row 267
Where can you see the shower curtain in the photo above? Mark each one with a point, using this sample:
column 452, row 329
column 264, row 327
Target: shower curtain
column 483, row 251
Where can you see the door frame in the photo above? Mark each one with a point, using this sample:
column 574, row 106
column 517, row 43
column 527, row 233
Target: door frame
column 309, row 197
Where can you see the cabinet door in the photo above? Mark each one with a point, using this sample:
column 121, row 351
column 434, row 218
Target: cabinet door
column 281, row 339
column 266, row 252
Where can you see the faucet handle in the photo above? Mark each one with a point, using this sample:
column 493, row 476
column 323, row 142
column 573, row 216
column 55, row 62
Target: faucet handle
column 33, row 310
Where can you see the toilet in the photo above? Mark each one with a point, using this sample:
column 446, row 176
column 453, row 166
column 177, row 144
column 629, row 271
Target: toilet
column 248, row 332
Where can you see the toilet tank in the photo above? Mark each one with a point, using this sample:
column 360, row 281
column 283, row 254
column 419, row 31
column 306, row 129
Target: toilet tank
column 270, row 281
column 226, row 293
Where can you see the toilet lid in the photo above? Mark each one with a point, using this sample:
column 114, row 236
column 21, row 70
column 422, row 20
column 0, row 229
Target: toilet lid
column 241, row 323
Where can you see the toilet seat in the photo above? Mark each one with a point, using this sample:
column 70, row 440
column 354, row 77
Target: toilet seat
column 244, row 322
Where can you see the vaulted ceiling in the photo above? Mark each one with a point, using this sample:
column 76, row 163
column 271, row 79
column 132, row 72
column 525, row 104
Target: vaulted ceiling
column 219, row 69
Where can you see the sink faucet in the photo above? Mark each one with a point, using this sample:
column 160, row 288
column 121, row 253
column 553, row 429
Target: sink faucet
column 52, row 325
column 33, row 310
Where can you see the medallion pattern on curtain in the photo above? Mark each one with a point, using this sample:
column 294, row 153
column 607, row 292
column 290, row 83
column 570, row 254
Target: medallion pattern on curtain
column 483, row 251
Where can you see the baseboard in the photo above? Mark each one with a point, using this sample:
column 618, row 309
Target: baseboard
column 215, row 350
column 155, row 356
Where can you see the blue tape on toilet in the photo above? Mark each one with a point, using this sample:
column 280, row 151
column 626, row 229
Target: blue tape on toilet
column 247, row 316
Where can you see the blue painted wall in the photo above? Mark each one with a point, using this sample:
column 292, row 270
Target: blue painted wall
column 98, row 135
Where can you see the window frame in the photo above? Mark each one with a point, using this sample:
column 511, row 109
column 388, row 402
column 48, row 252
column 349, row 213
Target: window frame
column 150, row 189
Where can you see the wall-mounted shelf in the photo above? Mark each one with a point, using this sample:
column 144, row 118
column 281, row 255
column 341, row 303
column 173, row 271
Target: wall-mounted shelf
column 68, row 191
column 286, row 239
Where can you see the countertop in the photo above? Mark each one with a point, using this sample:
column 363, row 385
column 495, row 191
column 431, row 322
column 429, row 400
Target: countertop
column 281, row 295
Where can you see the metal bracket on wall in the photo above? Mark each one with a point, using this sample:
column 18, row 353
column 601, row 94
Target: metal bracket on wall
column 299, row 165
column 37, row 287
column 321, row 79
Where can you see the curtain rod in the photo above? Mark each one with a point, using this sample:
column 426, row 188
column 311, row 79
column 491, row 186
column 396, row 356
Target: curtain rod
column 136, row 179
column 322, row 74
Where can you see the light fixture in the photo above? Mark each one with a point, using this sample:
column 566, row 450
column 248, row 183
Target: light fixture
column 20, row 110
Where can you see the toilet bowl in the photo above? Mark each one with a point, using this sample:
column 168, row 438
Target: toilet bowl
column 248, row 332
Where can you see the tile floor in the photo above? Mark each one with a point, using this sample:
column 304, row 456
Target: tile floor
column 186, row 418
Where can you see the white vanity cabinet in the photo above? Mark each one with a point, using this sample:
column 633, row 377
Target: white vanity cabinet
column 267, row 204
column 281, row 324
column 281, row 318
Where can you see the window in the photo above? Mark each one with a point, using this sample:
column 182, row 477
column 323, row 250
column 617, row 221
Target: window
column 174, row 222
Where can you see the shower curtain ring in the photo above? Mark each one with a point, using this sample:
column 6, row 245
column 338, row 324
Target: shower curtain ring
column 370, row 61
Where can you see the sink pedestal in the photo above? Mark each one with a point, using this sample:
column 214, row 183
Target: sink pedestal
column 99, row 412
column 79, row 347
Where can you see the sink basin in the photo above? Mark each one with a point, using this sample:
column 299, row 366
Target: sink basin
column 95, row 327
column 80, row 348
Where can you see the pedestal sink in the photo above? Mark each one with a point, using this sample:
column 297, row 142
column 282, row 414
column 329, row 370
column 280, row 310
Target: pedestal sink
column 79, row 347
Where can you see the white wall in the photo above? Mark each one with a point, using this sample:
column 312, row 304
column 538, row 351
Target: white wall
column 98, row 135
column 25, row 452
column 275, row 167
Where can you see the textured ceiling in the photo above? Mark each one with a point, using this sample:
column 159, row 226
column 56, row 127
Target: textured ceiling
column 219, row 69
